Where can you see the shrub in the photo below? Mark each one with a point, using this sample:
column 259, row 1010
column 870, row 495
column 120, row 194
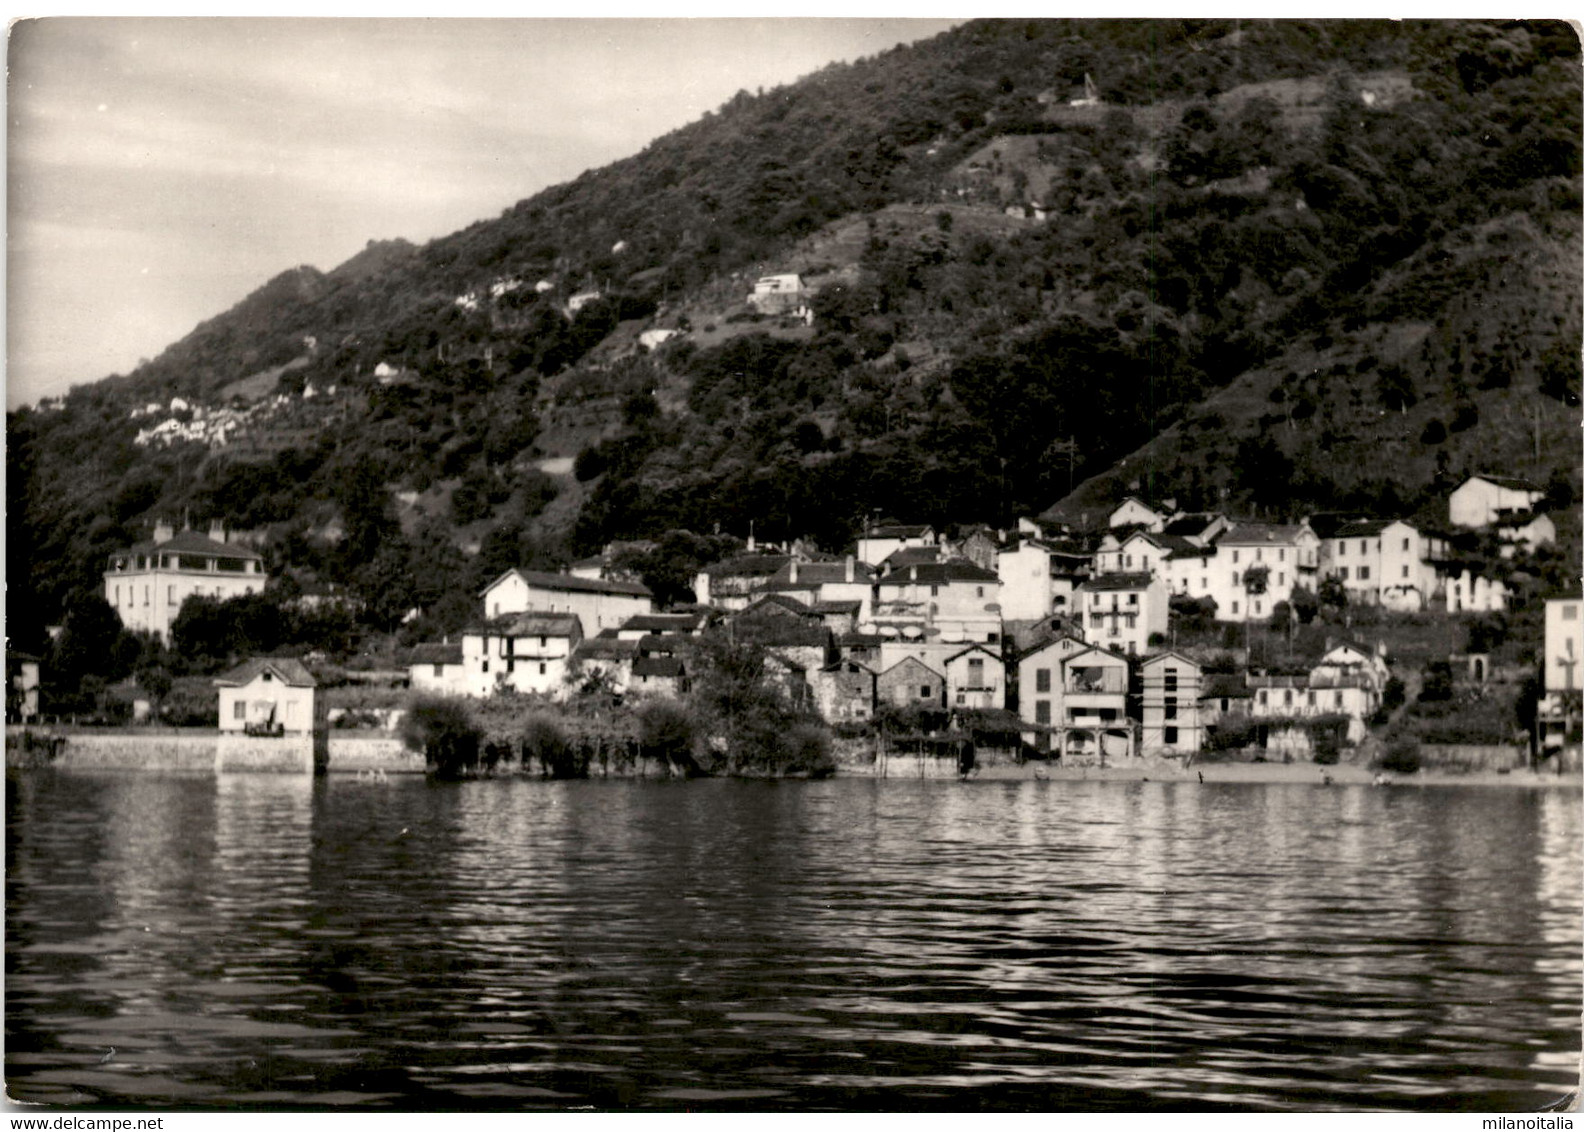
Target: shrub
column 665, row 731
column 543, row 739
column 1401, row 757
column 444, row 730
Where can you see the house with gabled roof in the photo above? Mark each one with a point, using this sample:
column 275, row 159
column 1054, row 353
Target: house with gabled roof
column 523, row 652
column 598, row 603
column 733, row 584
column 1134, row 512
column 1483, row 499
column 844, row 692
column 1094, row 723
column 975, row 678
column 1169, row 706
column 825, row 583
column 268, row 695
column 437, row 668
column 1038, row 680
column 1288, row 553
column 1200, row 528
column 1385, row 562
column 911, row 683
column 689, row 624
column 888, row 536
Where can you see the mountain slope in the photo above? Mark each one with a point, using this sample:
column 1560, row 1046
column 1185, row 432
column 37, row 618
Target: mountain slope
column 1273, row 247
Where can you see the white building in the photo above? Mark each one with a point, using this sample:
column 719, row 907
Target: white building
column 975, row 678
column 1289, row 554
column 881, row 541
column 1123, row 611
column 1385, row 562
column 523, row 652
column 599, row 604
column 147, row 583
column 437, row 669
column 1024, row 566
column 951, row 601
column 1471, row 592
column 1133, row 511
column 1170, row 706
column 1564, row 644
column 1481, row 500
column 268, row 694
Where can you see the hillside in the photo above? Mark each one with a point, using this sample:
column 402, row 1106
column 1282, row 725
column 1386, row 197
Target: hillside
column 1279, row 265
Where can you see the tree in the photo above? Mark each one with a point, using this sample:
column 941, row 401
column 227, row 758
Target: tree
column 88, row 643
column 1305, row 605
column 1333, row 594
column 155, row 679
column 444, row 730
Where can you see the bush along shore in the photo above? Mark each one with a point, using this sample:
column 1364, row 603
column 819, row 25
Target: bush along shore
column 736, row 721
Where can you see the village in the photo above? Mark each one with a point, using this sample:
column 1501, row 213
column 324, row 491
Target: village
column 1138, row 635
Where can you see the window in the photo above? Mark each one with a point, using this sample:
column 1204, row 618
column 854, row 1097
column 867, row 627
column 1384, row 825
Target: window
column 1363, row 546
column 1041, row 711
column 979, row 591
column 1042, row 679
column 1281, row 556
column 1363, row 573
column 1259, row 556
column 1128, row 562
column 1570, row 613
column 1132, row 599
column 924, row 692
column 439, row 671
column 1281, row 579
column 239, row 710
column 1311, row 699
column 1234, row 557
column 1234, row 608
column 118, row 595
column 1405, row 571
column 1144, row 561
column 1339, row 699
column 170, row 595
column 511, row 666
column 145, row 596
column 541, row 668
column 1171, row 736
column 1341, row 549
column 1234, row 577
column 1097, row 619
column 544, row 642
column 1343, row 573
column 1405, row 544
column 1204, row 583
column 1171, row 679
column 1264, row 698
column 484, row 667
column 1287, row 698
column 1171, row 707
column 934, row 591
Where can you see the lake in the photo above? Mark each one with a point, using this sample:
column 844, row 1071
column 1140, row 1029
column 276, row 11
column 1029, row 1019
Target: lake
column 280, row 942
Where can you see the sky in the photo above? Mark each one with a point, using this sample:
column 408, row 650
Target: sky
column 159, row 170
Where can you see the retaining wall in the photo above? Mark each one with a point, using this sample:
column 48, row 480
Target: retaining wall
column 187, row 750
column 352, row 752
column 1472, row 757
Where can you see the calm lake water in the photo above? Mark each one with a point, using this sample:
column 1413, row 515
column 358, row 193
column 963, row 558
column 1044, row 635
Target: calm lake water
column 275, row 942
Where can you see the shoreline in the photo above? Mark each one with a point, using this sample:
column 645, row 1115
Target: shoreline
column 1276, row 774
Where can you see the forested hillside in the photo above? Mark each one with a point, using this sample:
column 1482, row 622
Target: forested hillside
column 1278, row 266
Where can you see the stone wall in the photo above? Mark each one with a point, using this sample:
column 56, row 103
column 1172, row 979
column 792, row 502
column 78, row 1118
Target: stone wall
column 352, row 752
column 136, row 750
column 295, row 753
column 1471, row 757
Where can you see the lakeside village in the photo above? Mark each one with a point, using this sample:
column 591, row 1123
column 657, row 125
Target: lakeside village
column 1140, row 637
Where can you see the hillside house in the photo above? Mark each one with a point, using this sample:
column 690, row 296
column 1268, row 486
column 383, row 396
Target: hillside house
column 779, row 294
column 147, row 583
column 602, row 660
column 977, row 545
column 735, row 583
column 597, row 604
column 438, row 669
column 1384, row 562
column 1024, row 566
column 268, row 695
column 662, row 625
column 1134, row 512
column 1199, row 528
column 831, row 584
column 975, row 678
column 1349, row 680
column 1526, row 531
column 1170, row 706
column 954, row 601
column 1289, row 554
column 911, row 683
column 524, row 652
column 1123, row 611
column 658, row 676
column 1483, row 499
column 883, row 539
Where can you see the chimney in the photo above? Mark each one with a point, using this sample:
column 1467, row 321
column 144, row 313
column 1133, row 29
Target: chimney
column 849, row 572
column 163, row 531
column 217, row 530
column 793, row 567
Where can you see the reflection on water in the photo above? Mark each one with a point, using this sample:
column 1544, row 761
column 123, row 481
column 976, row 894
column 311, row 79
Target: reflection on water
column 275, row 942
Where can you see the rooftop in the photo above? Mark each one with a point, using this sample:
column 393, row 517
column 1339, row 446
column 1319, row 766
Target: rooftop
column 544, row 579
column 288, row 670
column 1108, row 582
